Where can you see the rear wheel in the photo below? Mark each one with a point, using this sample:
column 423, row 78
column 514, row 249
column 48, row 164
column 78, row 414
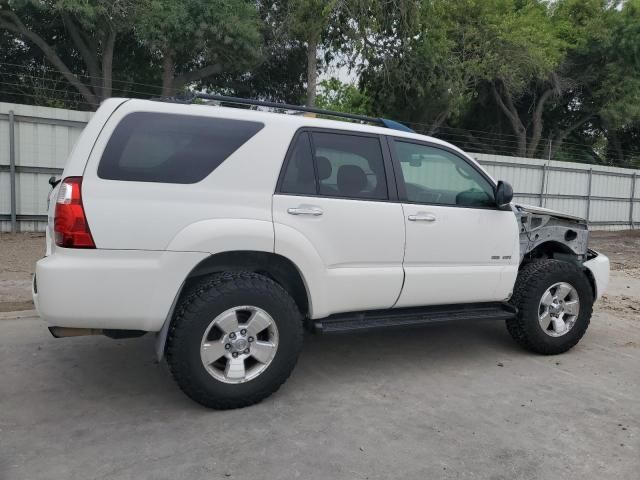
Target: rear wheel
column 234, row 340
column 554, row 302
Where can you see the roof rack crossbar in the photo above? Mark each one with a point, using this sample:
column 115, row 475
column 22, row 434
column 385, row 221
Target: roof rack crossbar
column 285, row 106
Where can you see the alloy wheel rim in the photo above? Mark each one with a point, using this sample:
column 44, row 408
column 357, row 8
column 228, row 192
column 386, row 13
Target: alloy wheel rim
column 559, row 309
column 239, row 344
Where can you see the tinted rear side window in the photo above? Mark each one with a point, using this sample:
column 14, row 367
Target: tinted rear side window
column 168, row 148
column 350, row 166
column 299, row 177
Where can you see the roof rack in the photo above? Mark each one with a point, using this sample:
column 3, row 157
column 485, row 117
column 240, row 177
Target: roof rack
column 285, row 106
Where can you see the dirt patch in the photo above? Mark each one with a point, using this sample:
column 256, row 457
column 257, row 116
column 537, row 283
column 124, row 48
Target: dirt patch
column 622, row 248
column 18, row 255
column 621, row 305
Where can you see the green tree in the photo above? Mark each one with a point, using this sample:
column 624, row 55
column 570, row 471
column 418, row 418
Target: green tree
column 429, row 66
column 342, row 97
column 197, row 39
column 280, row 72
column 92, row 28
column 308, row 22
column 618, row 95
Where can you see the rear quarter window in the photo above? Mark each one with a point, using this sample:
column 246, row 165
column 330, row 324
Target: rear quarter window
column 170, row 148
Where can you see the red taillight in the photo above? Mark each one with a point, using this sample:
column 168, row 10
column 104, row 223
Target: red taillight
column 70, row 224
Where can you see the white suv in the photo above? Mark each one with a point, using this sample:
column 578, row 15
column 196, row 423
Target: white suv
column 226, row 231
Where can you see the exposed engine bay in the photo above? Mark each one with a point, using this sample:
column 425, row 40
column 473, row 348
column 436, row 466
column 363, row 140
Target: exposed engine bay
column 551, row 234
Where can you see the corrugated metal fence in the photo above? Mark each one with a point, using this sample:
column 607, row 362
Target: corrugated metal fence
column 34, row 145
column 36, row 141
column 608, row 197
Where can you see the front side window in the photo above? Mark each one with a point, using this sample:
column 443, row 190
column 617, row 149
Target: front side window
column 169, row 148
column 433, row 175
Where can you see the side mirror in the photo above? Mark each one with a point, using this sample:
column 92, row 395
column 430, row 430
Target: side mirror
column 504, row 194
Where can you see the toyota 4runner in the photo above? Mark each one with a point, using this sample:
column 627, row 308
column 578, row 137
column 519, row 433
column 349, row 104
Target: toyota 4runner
column 227, row 231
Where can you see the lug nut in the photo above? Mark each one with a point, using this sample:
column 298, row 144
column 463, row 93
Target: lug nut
column 234, row 354
column 227, row 346
column 232, row 335
column 243, row 331
column 250, row 339
column 246, row 350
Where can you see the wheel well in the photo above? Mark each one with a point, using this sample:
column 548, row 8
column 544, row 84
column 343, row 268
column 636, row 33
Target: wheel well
column 278, row 268
column 592, row 281
column 548, row 249
column 559, row 251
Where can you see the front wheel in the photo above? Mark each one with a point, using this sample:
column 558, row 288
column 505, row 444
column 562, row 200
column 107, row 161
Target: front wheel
column 234, row 340
column 554, row 301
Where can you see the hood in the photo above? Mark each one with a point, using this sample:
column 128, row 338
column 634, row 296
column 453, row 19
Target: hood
column 547, row 211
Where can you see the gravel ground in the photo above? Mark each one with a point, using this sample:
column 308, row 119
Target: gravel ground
column 18, row 255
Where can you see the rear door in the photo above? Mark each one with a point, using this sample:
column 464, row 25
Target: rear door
column 334, row 197
column 460, row 247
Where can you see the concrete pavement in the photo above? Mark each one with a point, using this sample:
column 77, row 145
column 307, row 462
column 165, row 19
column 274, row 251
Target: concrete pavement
column 456, row 401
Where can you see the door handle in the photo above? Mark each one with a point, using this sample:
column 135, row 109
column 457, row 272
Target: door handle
column 314, row 211
column 422, row 217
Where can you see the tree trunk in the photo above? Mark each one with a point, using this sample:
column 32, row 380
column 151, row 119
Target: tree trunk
column 89, row 53
column 440, row 119
column 505, row 102
column 561, row 135
column 312, row 70
column 537, row 123
column 614, row 139
column 11, row 22
column 107, row 64
column 195, row 75
column 168, row 71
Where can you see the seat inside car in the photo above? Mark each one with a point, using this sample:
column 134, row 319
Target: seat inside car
column 351, row 180
column 324, row 173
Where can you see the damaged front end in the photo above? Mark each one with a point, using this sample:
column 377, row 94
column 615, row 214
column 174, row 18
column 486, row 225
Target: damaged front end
column 546, row 233
column 549, row 234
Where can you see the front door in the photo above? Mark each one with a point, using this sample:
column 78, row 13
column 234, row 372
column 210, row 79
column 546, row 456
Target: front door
column 460, row 247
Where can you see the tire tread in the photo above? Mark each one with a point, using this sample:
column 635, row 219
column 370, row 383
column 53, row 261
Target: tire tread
column 529, row 276
column 211, row 289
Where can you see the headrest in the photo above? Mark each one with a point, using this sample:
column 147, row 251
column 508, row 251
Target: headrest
column 351, row 180
column 324, row 167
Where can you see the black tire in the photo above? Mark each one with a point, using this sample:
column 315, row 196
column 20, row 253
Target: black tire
column 533, row 280
column 196, row 311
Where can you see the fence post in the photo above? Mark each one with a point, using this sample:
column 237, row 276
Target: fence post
column 632, row 199
column 589, row 193
column 544, row 179
column 12, row 169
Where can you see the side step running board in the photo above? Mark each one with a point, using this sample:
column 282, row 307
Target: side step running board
column 412, row 317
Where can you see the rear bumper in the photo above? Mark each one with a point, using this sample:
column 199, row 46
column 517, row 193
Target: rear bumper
column 110, row 289
column 598, row 267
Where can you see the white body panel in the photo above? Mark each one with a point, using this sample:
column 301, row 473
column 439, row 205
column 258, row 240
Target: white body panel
column 599, row 268
column 77, row 160
column 359, row 246
column 149, row 216
column 449, row 258
column 119, row 289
